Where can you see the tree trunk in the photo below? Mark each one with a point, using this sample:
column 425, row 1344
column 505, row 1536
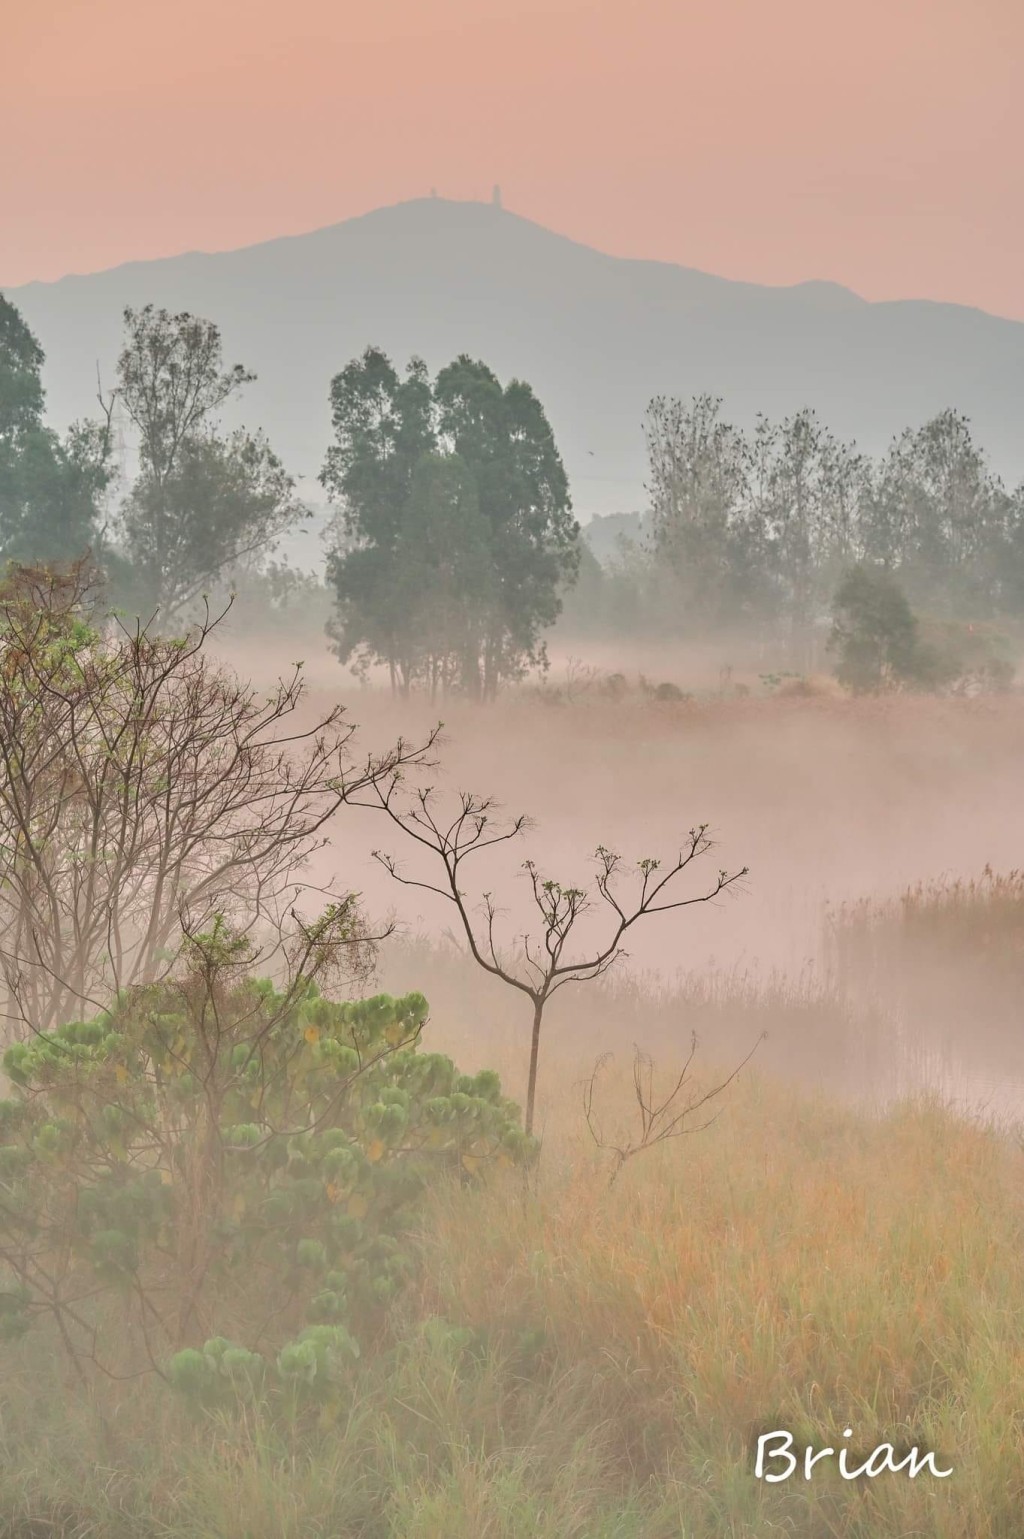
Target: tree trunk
column 531, row 1087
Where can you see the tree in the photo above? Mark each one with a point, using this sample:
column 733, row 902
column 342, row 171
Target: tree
column 661, row 1119
column 21, row 385
column 142, row 790
column 201, row 502
column 225, row 500
column 382, row 426
column 504, row 490
column 1010, row 566
column 51, row 489
column 548, row 961
column 698, row 492
column 939, row 517
column 504, row 436
column 799, row 521
column 445, row 573
column 881, row 644
column 874, row 631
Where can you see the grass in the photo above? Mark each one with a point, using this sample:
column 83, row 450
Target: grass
column 946, row 955
column 799, row 1265
column 814, row 1033
column 981, row 918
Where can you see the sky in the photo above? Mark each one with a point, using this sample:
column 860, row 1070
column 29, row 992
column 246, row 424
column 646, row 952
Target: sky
column 876, row 143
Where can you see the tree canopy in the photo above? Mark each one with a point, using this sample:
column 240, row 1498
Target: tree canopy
column 51, row 488
column 455, row 530
column 202, row 500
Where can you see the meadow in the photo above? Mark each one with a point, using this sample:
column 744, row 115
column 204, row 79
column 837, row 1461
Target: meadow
column 840, row 1247
column 576, row 1362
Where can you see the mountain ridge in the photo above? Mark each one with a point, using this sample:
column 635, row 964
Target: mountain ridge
column 596, row 336
column 488, row 210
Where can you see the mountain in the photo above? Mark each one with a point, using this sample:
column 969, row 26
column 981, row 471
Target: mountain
column 595, row 335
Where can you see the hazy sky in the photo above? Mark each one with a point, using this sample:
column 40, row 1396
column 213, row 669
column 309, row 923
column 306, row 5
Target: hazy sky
column 874, row 142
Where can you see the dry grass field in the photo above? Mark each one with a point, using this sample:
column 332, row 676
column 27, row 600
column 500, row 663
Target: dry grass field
column 838, row 1249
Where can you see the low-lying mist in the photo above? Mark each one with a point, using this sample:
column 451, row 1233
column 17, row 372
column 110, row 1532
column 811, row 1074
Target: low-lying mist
column 831, row 801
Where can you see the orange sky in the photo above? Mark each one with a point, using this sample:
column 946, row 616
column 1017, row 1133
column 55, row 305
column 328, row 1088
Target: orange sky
column 874, row 142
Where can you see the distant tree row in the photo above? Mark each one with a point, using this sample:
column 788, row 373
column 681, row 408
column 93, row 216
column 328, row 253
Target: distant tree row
column 761, row 525
column 454, row 547
column 201, row 501
column 453, row 538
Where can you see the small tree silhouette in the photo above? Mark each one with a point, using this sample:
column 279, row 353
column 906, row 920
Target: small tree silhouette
column 659, row 1120
column 547, row 963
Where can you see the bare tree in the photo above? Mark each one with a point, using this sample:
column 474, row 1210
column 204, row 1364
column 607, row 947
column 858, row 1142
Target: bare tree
column 659, row 1120
column 547, row 961
column 143, row 790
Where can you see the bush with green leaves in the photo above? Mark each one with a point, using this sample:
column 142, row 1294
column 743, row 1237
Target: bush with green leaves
column 241, row 1165
column 881, row 644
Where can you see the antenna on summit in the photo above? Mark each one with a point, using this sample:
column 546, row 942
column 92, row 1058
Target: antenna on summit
column 496, row 196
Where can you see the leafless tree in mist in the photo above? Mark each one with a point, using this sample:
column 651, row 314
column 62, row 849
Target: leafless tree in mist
column 547, row 962
column 659, row 1120
column 143, row 790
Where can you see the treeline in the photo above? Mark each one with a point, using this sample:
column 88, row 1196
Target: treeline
column 760, row 526
column 202, row 504
column 454, row 549
column 453, row 539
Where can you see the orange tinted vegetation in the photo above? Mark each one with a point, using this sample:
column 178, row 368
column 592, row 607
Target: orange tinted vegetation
column 579, row 1362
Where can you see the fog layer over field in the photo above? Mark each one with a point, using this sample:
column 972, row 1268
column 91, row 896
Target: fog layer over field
column 826, row 798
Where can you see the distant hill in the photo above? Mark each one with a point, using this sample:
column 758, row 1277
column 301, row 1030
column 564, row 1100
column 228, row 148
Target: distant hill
column 595, row 335
column 606, row 533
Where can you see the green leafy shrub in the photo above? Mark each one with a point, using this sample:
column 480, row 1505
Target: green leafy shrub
column 880, row 644
column 243, row 1165
column 874, row 631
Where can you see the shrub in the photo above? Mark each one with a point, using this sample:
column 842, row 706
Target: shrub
column 881, row 644
column 874, row 631
column 241, row 1164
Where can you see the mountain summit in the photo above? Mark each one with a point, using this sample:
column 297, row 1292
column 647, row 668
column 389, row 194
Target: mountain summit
column 595, row 335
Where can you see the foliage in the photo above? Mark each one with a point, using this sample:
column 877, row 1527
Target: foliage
column 881, row 644
column 51, row 488
column 963, row 658
column 201, row 501
column 800, row 1260
column 456, row 533
column 874, row 632
column 240, row 1165
column 759, row 525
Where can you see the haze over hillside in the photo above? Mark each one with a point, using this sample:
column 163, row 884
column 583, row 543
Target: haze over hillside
column 595, row 335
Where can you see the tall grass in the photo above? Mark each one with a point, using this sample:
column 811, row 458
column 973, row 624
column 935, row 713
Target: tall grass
column 981, row 919
column 815, row 1034
column 946, row 959
column 579, row 1363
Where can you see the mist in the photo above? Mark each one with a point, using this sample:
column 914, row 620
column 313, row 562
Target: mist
column 511, row 906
